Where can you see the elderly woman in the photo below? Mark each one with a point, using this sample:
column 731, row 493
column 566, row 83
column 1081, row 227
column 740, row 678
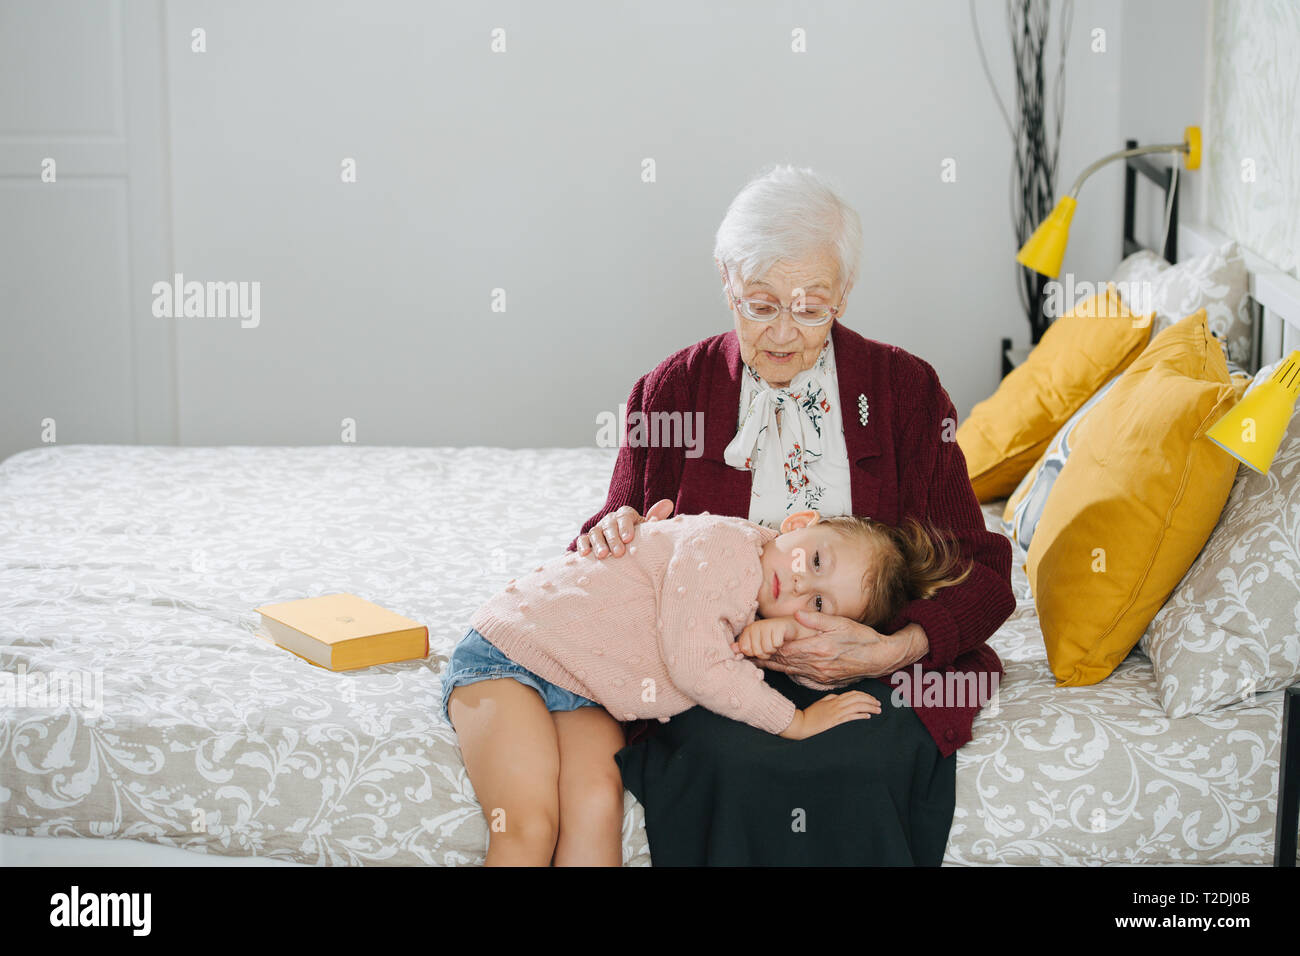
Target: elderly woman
column 800, row 412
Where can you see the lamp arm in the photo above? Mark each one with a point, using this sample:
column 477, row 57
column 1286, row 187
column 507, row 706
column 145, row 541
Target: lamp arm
column 1125, row 154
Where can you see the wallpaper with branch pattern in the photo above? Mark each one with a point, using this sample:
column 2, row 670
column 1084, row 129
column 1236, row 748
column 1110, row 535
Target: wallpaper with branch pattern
column 1253, row 135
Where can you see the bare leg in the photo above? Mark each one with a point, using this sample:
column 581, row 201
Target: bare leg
column 591, row 788
column 513, row 759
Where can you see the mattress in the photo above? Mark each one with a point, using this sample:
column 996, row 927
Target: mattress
column 136, row 570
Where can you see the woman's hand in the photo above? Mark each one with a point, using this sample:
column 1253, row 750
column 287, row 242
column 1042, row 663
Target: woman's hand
column 836, row 651
column 831, row 711
column 608, row 536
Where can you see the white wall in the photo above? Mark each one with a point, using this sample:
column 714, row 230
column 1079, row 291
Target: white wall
column 1163, row 93
column 479, row 170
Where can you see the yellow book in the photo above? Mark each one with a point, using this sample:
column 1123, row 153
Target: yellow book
column 343, row 632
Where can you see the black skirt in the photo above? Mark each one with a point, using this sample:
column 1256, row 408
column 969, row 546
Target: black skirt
column 718, row 792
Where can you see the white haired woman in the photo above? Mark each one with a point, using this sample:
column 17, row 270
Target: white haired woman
column 800, row 412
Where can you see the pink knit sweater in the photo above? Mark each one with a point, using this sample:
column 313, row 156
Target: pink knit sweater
column 647, row 635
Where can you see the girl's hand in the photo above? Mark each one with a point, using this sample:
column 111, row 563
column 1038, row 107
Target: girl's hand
column 837, row 651
column 608, row 536
column 831, row 711
column 764, row 636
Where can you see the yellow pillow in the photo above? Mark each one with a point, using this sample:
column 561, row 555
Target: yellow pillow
column 1004, row 434
column 1134, row 503
column 1025, row 506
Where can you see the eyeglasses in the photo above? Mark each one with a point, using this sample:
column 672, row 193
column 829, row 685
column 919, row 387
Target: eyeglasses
column 761, row 310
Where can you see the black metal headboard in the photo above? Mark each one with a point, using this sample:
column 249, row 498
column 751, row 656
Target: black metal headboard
column 1162, row 176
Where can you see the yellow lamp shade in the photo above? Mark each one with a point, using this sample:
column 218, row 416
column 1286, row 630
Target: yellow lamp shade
column 1253, row 428
column 1046, row 247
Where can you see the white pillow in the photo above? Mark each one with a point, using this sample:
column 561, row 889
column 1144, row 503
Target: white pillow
column 1216, row 282
column 1232, row 626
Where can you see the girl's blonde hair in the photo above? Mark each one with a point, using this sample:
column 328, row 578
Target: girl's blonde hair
column 912, row 561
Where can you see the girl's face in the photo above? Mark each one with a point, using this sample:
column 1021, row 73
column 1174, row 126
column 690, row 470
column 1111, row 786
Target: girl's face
column 811, row 567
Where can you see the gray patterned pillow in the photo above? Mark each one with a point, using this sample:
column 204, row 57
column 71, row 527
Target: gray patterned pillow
column 1216, row 282
column 1143, row 266
column 1232, row 626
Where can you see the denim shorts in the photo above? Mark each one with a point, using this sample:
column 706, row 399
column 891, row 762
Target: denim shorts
column 475, row 658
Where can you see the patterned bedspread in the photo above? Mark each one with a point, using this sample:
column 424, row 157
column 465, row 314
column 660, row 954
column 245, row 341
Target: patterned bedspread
column 130, row 574
column 1091, row 775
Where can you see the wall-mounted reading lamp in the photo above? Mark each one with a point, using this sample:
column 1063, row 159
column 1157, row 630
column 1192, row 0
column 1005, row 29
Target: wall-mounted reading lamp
column 1252, row 430
column 1046, row 247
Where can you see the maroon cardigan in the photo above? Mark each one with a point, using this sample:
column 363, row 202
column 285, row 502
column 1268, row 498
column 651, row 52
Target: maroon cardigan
column 904, row 461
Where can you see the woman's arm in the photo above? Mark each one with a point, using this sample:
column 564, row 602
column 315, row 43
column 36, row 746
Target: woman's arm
column 626, row 485
column 642, row 475
column 934, row 484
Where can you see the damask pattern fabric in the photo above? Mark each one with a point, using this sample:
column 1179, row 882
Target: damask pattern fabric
column 143, row 565
column 1217, row 282
column 1231, row 628
column 1101, row 774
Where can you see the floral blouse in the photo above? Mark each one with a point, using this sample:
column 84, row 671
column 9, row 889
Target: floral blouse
column 792, row 439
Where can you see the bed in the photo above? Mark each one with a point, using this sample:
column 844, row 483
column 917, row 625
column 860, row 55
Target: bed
column 1100, row 774
column 169, row 733
column 140, row 567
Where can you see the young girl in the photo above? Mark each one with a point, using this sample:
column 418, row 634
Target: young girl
column 652, row 635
